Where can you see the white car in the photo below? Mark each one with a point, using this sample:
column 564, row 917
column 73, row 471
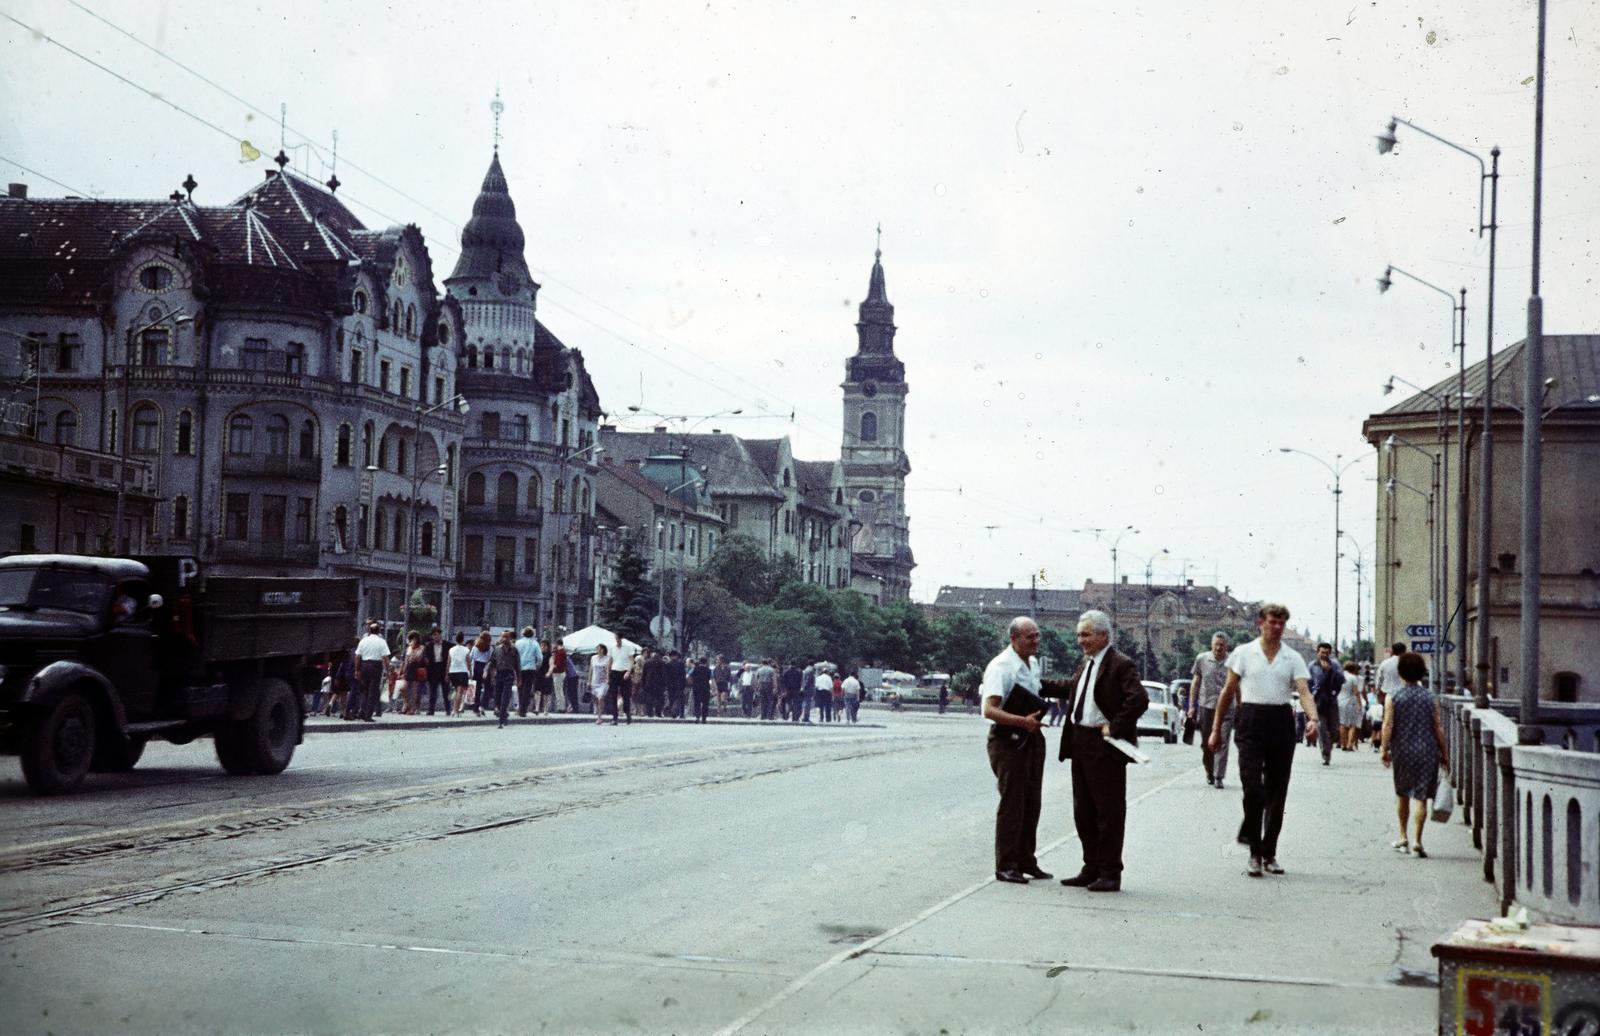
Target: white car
column 1161, row 715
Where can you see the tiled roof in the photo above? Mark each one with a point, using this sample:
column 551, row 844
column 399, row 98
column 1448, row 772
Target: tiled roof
column 1197, row 599
column 1009, row 600
column 1573, row 360
column 631, row 478
column 730, row 470
column 815, row 480
column 312, row 223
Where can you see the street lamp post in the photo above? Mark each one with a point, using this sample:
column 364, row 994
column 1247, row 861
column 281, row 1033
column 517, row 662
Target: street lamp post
column 1337, row 471
column 459, row 404
column 124, row 426
column 1459, row 326
column 1149, row 565
column 1532, row 433
column 1099, row 535
column 1386, row 143
column 1437, row 593
column 1360, row 568
column 1433, row 605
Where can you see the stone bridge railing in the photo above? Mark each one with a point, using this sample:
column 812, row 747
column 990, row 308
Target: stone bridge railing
column 1534, row 809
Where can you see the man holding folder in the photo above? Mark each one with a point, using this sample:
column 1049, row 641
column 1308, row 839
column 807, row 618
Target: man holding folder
column 1011, row 702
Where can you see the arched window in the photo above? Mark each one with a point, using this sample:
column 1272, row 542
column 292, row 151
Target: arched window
column 180, row 517
column 505, row 357
column 341, row 527
column 572, row 501
column 395, row 321
column 185, row 444
column 341, row 450
column 277, row 436
column 450, row 465
column 535, row 492
column 475, row 487
column 380, row 527
column 505, row 494
column 308, row 440
column 241, row 434
column 67, row 428
column 583, row 508
column 869, row 427
column 360, row 302
column 368, row 458
column 522, row 362
column 383, row 453
column 146, row 429
column 399, row 532
column 838, row 496
column 426, row 549
column 555, row 498
column 472, row 357
column 488, row 357
column 411, row 321
column 787, row 481
column 399, row 455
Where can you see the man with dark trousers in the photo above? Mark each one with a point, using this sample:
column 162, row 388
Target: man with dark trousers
column 655, row 682
column 1265, row 675
column 436, row 656
column 674, row 675
column 1016, row 755
column 700, row 689
column 1104, row 700
column 1327, row 679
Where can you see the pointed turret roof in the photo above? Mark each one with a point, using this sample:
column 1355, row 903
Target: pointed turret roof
column 875, row 358
column 492, row 240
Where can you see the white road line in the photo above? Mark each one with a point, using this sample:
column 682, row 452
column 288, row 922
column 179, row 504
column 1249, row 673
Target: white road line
column 789, row 991
column 885, row 956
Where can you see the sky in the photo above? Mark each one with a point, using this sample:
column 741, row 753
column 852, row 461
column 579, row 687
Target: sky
column 1132, row 250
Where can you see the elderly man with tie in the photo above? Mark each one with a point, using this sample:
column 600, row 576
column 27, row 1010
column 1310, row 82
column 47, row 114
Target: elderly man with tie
column 1104, row 700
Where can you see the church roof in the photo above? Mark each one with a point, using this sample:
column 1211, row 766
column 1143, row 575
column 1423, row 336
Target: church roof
column 492, row 240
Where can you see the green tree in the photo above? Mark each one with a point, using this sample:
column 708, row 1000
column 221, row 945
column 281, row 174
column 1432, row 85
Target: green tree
column 1062, row 656
column 963, row 640
column 630, row 600
column 711, row 615
column 785, row 634
column 1362, row 651
column 744, row 570
column 828, row 612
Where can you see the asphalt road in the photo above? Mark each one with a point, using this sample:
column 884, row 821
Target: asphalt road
column 673, row 878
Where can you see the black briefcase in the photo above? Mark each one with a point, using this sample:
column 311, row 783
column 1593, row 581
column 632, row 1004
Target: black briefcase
column 1188, row 730
column 1020, row 702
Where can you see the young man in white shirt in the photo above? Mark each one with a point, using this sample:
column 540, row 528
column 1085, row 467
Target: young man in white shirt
column 372, row 652
column 1264, row 676
column 1016, row 755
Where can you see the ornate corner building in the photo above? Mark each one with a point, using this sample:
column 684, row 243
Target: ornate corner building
column 873, row 454
column 528, row 456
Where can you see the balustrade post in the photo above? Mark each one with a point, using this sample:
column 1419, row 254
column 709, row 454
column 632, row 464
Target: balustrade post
column 1510, row 843
column 1491, row 806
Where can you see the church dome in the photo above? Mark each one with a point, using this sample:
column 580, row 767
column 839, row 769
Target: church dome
column 492, row 241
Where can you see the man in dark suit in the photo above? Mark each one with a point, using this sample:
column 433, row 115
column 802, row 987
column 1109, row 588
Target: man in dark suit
column 1104, row 699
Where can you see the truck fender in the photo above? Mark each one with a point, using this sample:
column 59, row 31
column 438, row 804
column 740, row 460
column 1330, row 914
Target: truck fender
column 56, row 677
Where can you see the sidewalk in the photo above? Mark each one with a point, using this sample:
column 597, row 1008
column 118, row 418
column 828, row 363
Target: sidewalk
column 1339, row 943
column 393, row 720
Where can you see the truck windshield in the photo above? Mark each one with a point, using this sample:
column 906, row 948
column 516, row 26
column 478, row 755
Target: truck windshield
column 25, row 589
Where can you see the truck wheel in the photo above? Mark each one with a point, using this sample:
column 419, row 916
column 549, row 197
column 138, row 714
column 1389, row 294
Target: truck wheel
column 232, row 752
column 58, row 745
column 117, row 754
column 274, row 730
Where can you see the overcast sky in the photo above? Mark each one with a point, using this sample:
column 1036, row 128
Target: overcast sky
column 1132, row 250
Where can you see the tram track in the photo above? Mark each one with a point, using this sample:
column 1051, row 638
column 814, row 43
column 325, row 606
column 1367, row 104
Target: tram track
column 160, row 838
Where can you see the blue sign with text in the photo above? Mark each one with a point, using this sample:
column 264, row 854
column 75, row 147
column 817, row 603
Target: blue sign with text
column 1425, row 647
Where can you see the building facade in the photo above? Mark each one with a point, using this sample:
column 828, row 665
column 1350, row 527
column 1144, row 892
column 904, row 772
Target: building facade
column 529, row 453
column 873, row 455
column 1570, row 601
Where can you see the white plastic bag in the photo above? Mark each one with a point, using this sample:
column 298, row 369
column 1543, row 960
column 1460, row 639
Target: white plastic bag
column 1444, row 803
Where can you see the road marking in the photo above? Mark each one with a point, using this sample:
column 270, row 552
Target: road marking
column 794, row 987
column 1126, row 969
column 415, row 789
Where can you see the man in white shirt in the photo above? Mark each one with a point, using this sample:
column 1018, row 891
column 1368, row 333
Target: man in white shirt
column 622, row 688
column 1016, row 755
column 1389, row 671
column 372, row 651
column 1265, row 675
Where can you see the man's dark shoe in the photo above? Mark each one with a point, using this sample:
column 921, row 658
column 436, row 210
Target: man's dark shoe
column 1037, row 871
column 1106, row 885
column 1083, row 879
column 1271, row 865
column 1015, row 877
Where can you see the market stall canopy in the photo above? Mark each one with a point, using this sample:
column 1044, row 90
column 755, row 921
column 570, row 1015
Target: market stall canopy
column 587, row 639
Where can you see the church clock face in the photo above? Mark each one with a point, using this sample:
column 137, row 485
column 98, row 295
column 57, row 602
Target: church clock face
column 507, row 283
column 870, row 389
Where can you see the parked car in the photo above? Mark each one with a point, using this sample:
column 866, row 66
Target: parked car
column 1161, row 715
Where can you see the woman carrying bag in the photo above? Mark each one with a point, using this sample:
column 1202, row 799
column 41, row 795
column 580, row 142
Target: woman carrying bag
column 1414, row 745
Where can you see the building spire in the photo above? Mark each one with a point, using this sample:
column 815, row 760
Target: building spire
column 496, row 106
column 877, row 253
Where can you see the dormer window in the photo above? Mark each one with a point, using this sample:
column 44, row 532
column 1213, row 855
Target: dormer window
column 155, row 278
column 359, row 302
column 444, row 333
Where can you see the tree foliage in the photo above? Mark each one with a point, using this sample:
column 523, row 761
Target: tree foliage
column 630, row 600
column 785, row 634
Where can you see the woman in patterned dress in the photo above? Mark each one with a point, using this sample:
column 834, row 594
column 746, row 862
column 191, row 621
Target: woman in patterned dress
column 1413, row 744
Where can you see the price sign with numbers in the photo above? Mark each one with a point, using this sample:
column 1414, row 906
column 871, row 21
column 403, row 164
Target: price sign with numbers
column 1494, row 1002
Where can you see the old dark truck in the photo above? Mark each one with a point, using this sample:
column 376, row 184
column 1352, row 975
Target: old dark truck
column 100, row 655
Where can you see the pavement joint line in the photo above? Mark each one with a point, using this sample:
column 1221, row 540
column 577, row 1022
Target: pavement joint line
column 679, row 962
column 219, row 818
column 1130, row 969
column 794, row 987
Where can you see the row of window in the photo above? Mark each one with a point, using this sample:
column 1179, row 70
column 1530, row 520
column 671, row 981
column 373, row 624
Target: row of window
column 676, row 536
column 509, row 491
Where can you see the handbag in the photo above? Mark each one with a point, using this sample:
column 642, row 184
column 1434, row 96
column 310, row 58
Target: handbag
column 1189, row 726
column 1444, row 803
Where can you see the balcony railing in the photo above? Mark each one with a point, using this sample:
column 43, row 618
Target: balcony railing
column 258, row 465
column 526, row 517
column 502, row 576
column 75, row 464
column 267, row 551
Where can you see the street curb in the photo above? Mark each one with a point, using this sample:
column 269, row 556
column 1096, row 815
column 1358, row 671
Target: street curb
column 330, row 726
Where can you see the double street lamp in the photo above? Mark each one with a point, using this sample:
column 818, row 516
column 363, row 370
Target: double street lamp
column 1337, row 470
column 1149, row 566
column 1389, row 486
column 1489, row 176
column 1099, row 534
